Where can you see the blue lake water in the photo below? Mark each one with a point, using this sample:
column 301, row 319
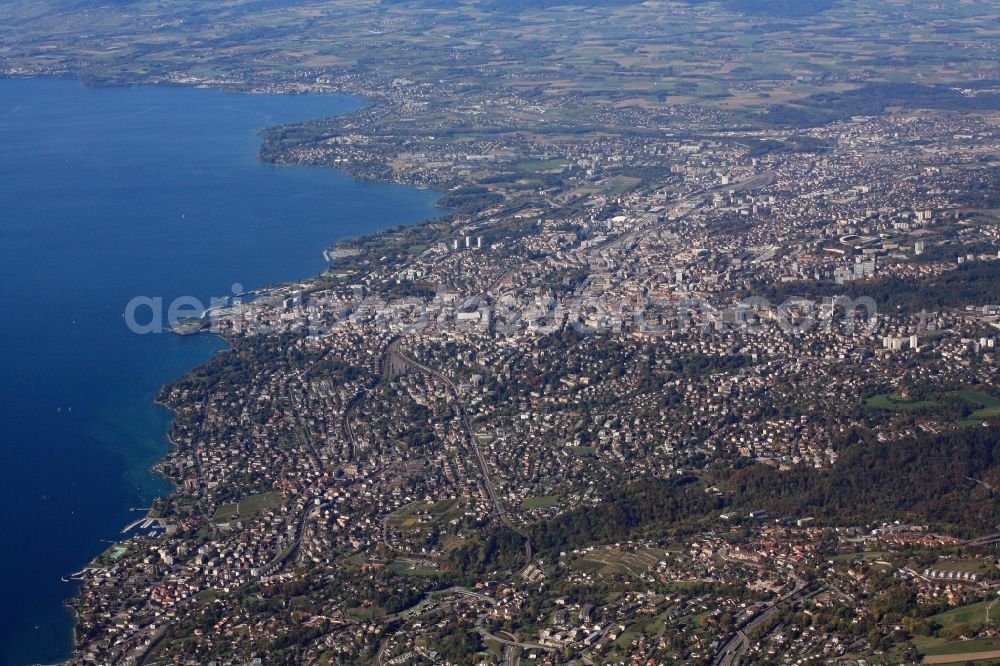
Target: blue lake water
column 108, row 194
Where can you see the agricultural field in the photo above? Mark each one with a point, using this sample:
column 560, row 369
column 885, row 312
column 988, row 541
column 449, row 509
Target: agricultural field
column 973, row 616
column 959, row 649
column 735, row 57
column 613, row 561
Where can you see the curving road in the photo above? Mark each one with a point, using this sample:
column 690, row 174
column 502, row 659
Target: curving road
column 460, row 409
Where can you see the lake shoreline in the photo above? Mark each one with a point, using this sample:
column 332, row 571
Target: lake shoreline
column 408, row 218
column 156, row 468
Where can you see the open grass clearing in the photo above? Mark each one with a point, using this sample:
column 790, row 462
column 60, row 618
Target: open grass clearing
column 249, row 507
column 420, row 515
column 543, row 502
column 890, row 401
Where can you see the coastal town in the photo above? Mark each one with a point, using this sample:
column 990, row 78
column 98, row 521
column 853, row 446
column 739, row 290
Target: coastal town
column 662, row 384
column 371, row 425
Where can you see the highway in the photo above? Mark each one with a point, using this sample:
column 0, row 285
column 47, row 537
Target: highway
column 988, row 540
column 487, row 634
column 460, row 591
column 739, row 642
column 460, row 410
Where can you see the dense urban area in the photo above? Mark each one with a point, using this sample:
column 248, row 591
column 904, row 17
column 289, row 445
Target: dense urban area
column 697, row 366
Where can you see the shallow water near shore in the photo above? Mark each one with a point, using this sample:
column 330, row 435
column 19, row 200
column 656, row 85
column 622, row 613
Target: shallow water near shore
column 107, row 194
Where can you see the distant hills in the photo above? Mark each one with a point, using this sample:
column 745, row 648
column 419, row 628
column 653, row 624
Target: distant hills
column 775, row 8
column 872, row 99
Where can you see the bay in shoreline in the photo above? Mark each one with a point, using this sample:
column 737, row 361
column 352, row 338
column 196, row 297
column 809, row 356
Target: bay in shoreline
column 107, row 194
